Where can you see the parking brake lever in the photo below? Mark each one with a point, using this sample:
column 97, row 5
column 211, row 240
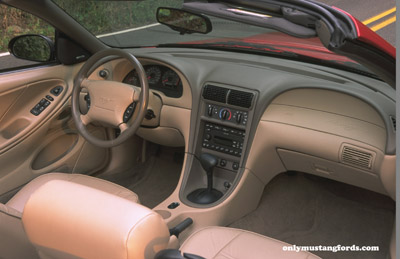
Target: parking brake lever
column 175, row 254
column 175, row 231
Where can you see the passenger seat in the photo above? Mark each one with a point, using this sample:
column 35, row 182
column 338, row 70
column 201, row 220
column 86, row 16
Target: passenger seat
column 230, row 243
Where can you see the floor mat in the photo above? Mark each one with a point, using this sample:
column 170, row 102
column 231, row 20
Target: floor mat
column 154, row 180
column 307, row 210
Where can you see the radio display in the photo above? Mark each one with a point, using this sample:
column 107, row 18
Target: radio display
column 223, row 141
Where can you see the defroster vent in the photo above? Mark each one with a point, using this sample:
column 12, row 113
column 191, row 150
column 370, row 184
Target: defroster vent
column 239, row 98
column 356, row 157
column 215, row 93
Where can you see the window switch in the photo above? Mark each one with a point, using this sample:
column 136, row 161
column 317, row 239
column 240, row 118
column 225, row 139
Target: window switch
column 56, row 90
column 35, row 112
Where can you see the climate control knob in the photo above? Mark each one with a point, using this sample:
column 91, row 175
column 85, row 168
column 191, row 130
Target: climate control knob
column 225, row 114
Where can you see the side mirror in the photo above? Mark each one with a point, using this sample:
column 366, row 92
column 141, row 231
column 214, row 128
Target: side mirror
column 32, row 47
column 183, row 21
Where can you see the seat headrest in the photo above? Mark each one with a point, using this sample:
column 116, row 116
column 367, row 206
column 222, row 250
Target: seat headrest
column 78, row 221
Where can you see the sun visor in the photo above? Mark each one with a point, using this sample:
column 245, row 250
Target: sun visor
column 250, row 17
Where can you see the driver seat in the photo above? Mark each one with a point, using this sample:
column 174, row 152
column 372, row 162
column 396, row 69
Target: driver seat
column 13, row 240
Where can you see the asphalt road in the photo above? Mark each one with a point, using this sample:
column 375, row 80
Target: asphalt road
column 366, row 9
column 369, row 11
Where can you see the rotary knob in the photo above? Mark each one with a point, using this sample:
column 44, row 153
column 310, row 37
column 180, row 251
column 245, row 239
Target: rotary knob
column 225, row 114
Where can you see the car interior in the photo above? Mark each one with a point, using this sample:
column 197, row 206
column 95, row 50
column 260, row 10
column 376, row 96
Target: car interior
column 198, row 153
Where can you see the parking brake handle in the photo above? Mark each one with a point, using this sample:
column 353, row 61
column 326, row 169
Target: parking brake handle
column 175, row 231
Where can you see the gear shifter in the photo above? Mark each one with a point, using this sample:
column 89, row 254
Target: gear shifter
column 206, row 195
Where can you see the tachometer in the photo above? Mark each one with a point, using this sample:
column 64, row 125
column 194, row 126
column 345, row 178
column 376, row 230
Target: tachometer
column 153, row 74
column 132, row 78
column 170, row 79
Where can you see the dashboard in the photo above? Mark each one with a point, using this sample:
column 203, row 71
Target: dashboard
column 160, row 78
column 268, row 116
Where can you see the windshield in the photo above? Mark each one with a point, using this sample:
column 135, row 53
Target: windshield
column 128, row 24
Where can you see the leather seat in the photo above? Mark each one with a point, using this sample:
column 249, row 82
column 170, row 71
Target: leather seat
column 230, row 243
column 83, row 222
column 13, row 240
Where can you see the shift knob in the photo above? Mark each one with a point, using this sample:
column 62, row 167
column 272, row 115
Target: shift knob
column 208, row 162
column 206, row 195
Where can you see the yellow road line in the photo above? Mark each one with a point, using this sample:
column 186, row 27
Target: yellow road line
column 379, row 16
column 384, row 23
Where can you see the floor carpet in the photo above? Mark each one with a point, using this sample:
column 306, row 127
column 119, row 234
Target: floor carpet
column 307, row 210
column 154, row 180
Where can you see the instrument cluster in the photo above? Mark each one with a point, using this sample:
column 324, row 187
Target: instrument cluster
column 160, row 78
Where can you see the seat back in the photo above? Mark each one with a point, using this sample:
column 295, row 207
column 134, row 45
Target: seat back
column 68, row 220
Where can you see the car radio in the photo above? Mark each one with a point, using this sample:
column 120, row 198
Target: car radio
column 223, row 139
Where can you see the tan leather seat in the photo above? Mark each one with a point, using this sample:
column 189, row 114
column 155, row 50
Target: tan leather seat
column 230, row 243
column 18, row 201
column 83, row 222
column 13, row 240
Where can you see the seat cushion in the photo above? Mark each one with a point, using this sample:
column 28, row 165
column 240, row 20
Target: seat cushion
column 230, row 243
column 18, row 201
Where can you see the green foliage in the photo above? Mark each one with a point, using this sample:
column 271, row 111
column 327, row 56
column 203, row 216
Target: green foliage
column 98, row 17
column 32, row 47
column 183, row 20
column 101, row 17
column 15, row 22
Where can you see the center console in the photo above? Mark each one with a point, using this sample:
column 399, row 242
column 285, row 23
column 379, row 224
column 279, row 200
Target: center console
column 225, row 116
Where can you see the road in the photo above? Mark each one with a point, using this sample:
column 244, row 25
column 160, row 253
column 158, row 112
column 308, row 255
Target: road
column 363, row 10
column 378, row 15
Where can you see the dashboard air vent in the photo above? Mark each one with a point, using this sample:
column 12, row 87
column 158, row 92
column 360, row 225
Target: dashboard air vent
column 393, row 119
column 239, row 98
column 356, row 157
column 215, row 93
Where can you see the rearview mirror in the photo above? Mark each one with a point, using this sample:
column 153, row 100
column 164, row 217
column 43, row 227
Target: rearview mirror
column 183, row 21
column 32, row 47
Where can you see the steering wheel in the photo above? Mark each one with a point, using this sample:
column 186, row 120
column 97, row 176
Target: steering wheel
column 111, row 103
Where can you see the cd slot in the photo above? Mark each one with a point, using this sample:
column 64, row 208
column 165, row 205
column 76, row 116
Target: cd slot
column 223, row 139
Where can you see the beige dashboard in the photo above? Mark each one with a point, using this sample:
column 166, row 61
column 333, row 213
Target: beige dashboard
column 325, row 133
column 313, row 130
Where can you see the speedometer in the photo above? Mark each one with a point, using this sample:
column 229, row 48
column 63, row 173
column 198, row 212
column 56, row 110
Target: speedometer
column 153, row 74
column 171, row 79
column 160, row 78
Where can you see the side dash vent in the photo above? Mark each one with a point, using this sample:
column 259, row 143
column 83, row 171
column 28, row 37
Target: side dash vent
column 239, row 98
column 393, row 120
column 356, row 157
column 215, row 93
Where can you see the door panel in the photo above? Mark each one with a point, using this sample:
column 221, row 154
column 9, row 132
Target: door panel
column 33, row 145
